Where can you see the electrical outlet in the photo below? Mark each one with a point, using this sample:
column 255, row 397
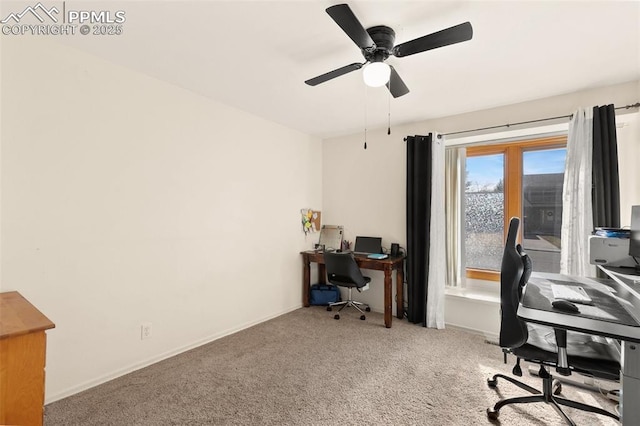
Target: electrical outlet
column 145, row 330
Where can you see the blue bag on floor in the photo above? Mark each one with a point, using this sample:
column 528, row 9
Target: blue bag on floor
column 323, row 294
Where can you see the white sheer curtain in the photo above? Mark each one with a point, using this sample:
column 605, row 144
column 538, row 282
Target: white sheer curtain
column 577, row 212
column 454, row 211
column 437, row 249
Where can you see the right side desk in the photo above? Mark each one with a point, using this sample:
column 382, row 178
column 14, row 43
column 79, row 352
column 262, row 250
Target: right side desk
column 625, row 290
column 630, row 374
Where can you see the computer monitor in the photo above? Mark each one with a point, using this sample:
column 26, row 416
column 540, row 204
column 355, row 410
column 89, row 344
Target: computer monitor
column 634, row 243
column 331, row 237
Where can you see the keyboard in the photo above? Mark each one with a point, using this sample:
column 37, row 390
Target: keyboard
column 574, row 294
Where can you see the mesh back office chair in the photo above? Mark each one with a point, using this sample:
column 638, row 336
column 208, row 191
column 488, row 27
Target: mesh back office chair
column 579, row 353
column 343, row 271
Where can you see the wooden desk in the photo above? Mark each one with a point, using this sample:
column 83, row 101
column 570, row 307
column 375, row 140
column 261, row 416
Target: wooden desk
column 387, row 265
column 22, row 360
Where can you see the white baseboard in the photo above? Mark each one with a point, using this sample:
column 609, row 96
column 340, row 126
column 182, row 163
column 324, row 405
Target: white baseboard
column 489, row 337
column 160, row 357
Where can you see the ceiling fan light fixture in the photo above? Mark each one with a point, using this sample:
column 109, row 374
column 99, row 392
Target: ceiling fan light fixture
column 376, row 74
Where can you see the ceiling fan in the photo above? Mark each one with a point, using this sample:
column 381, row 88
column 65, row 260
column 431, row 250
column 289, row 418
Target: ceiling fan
column 377, row 44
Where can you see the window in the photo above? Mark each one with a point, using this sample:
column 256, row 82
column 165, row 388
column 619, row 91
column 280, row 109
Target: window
column 521, row 179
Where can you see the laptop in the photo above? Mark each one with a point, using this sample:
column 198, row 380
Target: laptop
column 368, row 245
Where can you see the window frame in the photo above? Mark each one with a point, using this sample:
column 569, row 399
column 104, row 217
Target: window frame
column 512, row 180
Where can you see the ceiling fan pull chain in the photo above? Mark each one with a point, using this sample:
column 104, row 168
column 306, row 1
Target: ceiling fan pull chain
column 389, row 117
column 365, row 116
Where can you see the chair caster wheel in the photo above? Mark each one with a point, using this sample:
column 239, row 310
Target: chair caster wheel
column 492, row 383
column 557, row 388
column 336, row 316
column 329, row 308
column 492, row 414
column 368, row 309
column 362, row 317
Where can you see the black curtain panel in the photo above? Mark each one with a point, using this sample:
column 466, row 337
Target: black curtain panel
column 419, row 165
column 606, row 188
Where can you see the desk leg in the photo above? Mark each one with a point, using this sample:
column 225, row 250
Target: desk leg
column 388, row 315
column 322, row 273
column 629, row 407
column 306, row 282
column 400, row 292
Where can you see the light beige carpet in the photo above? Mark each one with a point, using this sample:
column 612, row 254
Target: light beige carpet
column 305, row 368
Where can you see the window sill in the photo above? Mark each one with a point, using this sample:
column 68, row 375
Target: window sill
column 480, row 292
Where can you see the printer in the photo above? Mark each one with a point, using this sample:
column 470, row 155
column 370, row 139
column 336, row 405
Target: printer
column 611, row 251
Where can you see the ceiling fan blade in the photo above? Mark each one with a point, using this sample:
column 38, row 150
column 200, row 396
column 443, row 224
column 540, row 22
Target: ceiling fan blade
column 455, row 34
column 333, row 74
column 344, row 17
column 395, row 84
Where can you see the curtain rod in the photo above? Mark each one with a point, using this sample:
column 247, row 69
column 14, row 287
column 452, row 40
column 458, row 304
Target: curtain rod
column 636, row 105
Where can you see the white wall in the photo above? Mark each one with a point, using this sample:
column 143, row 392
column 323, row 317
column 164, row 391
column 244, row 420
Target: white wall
column 127, row 200
column 364, row 190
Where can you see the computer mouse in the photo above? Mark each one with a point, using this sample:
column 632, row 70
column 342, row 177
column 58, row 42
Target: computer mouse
column 565, row 305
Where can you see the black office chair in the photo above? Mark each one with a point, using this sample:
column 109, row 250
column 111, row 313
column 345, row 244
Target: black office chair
column 343, row 271
column 579, row 353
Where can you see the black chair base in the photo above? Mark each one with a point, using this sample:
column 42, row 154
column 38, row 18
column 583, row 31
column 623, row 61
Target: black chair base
column 548, row 395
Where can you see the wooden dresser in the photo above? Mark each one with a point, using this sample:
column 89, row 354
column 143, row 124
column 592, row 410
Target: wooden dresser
column 22, row 360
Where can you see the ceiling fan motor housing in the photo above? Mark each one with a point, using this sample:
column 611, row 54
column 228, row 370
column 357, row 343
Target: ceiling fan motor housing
column 384, row 38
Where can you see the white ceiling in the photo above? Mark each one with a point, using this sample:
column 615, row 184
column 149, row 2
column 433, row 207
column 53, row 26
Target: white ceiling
column 256, row 55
